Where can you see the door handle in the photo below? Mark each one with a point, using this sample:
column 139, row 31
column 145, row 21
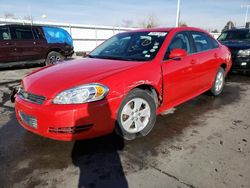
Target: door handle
column 215, row 55
column 35, row 43
column 8, row 43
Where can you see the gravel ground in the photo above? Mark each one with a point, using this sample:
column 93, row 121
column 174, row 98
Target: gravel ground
column 201, row 143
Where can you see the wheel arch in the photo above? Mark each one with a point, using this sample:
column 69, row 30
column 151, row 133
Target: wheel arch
column 143, row 89
column 54, row 50
column 151, row 89
column 224, row 66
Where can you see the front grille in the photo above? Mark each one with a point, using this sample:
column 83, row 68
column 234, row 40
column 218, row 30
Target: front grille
column 31, row 97
column 70, row 130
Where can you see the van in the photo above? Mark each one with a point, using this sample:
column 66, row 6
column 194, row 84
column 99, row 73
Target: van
column 28, row 44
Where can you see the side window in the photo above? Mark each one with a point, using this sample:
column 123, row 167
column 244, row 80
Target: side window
column 201, row 41
column 180, row 41
column 214, row 43
column 23, row 33
column 37, row 33
column 5, row 33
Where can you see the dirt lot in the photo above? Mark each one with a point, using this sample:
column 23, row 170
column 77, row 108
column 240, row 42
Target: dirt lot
column 202, row 143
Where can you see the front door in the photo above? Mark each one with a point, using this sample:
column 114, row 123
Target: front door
column 7, row 46
column 179, row 80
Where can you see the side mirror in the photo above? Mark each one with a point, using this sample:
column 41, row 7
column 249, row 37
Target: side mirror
column 177, row 54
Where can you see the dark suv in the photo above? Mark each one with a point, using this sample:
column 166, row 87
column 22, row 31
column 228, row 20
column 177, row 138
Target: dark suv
column 21, row 44
column 238, row 41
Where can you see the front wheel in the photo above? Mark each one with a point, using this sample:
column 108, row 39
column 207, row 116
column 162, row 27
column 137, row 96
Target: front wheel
column 219, row 82
column 137, row 115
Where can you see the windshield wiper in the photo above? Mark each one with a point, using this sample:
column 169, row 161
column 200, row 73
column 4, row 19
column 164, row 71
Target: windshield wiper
column 119, row 58
column 116, row 58
column 113, row 57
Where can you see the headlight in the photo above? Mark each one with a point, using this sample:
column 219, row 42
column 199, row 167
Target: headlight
column 82, row 94
column 244, row 53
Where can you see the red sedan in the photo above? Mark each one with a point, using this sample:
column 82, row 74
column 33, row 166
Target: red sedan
column 123, row 84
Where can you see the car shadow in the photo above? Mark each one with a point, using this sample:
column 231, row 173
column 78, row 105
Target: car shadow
column 98, row 159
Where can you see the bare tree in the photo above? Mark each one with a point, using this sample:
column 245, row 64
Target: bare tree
column 127, row 23
column 215, row 31
column 182, row 24
column 229, row 25
column 30, row 18
column 9, row 15
column 149, row 22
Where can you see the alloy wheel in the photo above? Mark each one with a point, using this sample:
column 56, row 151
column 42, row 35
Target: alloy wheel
column 135, row 115
column 54, row 59
column 219, row 81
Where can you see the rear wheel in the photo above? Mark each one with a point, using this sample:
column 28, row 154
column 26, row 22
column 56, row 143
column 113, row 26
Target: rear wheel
column 137, row 115
column 219, row 82
column 54, row 57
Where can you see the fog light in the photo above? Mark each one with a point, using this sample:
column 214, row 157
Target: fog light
column 27, row 119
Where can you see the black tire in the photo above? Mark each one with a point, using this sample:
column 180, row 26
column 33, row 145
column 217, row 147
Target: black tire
column 54, row 57
column 148, row 98
column 214, row 90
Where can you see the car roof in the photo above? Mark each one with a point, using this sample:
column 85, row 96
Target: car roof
column 238, row 29
column 168, row 29
column 19, row 25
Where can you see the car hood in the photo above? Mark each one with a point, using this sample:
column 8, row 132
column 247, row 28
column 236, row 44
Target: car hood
column 51, row 80
column 237, row 44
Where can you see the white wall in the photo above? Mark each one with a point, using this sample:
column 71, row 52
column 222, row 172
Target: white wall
column 85, row 37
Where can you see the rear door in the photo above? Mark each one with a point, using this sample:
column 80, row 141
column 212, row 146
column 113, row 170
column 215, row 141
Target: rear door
column 25, row 42
column 7, row 46
column 207, row 57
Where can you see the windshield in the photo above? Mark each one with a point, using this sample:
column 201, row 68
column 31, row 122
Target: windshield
column 133, row 46
column 235, row 35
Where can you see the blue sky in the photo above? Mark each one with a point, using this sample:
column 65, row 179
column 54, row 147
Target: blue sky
column 207, row 14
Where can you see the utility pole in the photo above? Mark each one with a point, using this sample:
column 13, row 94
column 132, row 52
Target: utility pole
column 178, row 13
column 246, row 16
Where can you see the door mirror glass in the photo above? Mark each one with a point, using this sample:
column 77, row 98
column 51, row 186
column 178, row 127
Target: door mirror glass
column 177, row 54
